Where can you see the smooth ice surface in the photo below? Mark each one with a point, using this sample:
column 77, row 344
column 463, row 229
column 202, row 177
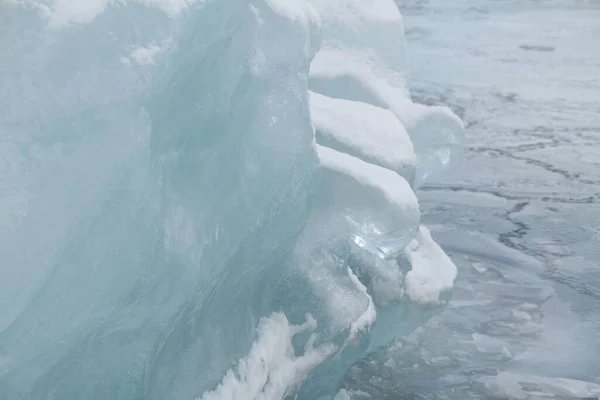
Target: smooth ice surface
column 182, row 218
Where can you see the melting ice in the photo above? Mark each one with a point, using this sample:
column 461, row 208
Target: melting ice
column 209, row 199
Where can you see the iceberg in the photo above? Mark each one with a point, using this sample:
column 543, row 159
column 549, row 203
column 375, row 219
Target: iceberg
column 210, row 199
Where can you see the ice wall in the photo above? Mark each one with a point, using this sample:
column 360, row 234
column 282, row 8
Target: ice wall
column 209, row 199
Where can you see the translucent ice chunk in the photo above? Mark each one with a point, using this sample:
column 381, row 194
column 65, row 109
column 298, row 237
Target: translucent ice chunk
column 379, row 204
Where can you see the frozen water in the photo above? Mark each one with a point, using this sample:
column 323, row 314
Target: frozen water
column 216, row 199
column 371, row 133
column 210, row 199
column 519, row 217
column 363, row 57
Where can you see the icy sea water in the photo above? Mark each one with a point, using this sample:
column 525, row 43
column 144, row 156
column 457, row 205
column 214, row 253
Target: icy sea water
column 520, row 217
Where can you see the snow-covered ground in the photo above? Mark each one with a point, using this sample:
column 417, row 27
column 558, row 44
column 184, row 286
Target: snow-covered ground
column 520, row 217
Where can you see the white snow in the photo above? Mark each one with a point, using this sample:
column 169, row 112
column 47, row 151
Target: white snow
column 432, row 273
column 369, row 78
column 299, row 11
column 391, row 186
column 371, row 133
column 364, row 322
column 357, row 11
column 364, row 67
column 143, row 55
column 271, row 369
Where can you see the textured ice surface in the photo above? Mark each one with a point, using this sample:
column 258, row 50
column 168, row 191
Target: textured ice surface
column 426, row 281
column 520, row 218
column 363, row 58
column 182, row 218
column 371, row 133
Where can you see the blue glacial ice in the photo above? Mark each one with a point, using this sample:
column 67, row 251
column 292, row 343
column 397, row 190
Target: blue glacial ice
column 209, row 199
